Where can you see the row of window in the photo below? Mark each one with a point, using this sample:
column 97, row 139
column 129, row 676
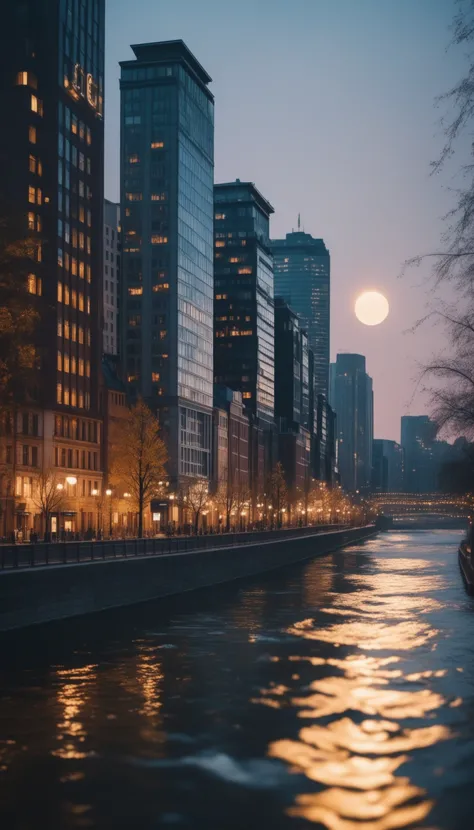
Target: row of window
column 77, row 267
column 73, row 366
column 74, row 298
column 71, row 331
column 34, row 285
column 69, row 397
column 76, row 459
column 76, row 428
column 74, row 237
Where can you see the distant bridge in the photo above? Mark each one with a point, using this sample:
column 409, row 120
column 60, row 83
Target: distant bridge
column 427, row 504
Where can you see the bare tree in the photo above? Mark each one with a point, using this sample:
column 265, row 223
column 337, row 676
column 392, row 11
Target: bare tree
column 226, row 499
column 449, row 376
column 48, row 497
column 138, row 457
column 194, row 496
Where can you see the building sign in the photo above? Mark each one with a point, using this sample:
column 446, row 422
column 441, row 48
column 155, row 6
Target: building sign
column 84, row 86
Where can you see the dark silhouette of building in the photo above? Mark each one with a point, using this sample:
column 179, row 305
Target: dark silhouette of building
column 244, row 315
column 302, row 278
column 387, row 467
column 167, row 166
column 244, row 309
column 351, row 396
column 418, row 439
column 230, row 441
column 51, row 188
column 112, row 282
column 292, row 397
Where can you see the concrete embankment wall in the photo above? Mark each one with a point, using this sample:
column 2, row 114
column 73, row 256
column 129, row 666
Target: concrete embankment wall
column 36, row 595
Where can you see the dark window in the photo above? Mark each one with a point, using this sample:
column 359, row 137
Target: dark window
column 25, row 423
column 35, row 425
column 69, row 458
column 34, row 456
column 25, row 453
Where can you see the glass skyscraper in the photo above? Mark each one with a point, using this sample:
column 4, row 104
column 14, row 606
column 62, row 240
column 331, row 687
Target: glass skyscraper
column 167, row 174
column 302, row 279
column 244, row 307
column 352, row 397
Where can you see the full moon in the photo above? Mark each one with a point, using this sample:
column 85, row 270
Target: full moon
column 371, row 308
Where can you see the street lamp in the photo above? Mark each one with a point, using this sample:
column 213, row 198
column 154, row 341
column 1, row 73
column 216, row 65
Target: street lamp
column 109, row 494
column 95, row 493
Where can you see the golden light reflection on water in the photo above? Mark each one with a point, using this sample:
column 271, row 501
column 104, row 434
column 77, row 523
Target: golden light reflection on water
column 73, row 693
column 357, row 762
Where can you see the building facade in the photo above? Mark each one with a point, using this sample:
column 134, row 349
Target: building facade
column 387, row 467
column 167, row 171
column 302, row 271
column 418, row 439
column 111, row 282
column 351, row 396
column 51, row 166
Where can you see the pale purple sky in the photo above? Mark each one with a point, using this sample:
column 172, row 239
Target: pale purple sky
column 327, row 105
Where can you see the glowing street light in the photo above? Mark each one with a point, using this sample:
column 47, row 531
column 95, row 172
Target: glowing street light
column 71, row 480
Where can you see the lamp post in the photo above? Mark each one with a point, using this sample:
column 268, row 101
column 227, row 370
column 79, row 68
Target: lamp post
column 108, row 493
column 95, row 493
column 72, row 481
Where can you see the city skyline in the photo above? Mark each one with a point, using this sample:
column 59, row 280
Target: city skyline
column 402, row 51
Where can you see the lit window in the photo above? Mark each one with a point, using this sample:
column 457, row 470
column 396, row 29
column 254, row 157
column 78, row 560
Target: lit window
column 66, row 395
column 88, row 307
column 81, row 334
column 73, row 298
column 158, row 197
column 155, row 376
column 81, row 366
column 31, row 221
column 66, row 329
column 244, row 270
column 81, row 214
column 73, row 397
column 134, row 197
column 81, row 302
column 163, row 334
column 66, row 363
column 234, row 259
column 81, row 241
column 66, row 295
column 88, row 135
column 74, row 266
column 34, row 284
column 88, row 273
column 220, row 216
column 81, row 270
column 161, row 286
column 36, row 105
column 88, row 368
column 156, row 239
column 73, row 365
column 39, row 252
column 157, row 145
column 220, row 243
column 32, row 161
column 60, row 292
column 38, row 195
column 60, row 362
column 59, row 393
column 32, row 135
column 221, row 296
column 134, row 159
column 246, row 394
column 31, row 194
column 22, row 79
column 135, row 291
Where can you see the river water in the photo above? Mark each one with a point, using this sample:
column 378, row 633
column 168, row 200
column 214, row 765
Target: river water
column 338, row 693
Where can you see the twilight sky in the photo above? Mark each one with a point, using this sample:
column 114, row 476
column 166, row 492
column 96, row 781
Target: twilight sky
column 327, row 105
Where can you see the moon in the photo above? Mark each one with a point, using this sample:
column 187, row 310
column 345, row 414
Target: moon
column 371, row 308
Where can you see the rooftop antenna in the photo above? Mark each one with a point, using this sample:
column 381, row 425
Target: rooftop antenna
column 299, row 221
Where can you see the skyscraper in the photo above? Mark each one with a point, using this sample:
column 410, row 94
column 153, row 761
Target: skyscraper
column 51, row 185
column 387, row 467
column 167, row 168
column 351, row 395
column 418, row 434
column 244, row 307
column 302, row 278
column 112, row 253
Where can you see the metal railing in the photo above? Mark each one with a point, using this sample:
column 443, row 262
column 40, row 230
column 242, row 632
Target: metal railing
column 71, row 553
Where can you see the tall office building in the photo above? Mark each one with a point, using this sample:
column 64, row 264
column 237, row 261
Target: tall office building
column 167, row 168
column 244, row 307
column 51, row 187
column 418, row 439
column 302, row 278
column 351, row 396
column 387, row 467
column 112, row 254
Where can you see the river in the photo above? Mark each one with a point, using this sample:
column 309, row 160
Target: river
column 338, row 693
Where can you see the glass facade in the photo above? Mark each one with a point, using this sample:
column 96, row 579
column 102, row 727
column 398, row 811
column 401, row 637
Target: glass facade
column 244, row 307
column 302, row 278
column 167, row 173
column 353, row 400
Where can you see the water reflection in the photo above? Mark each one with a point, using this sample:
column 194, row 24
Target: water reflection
column 357, row 762
column 73, row 693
